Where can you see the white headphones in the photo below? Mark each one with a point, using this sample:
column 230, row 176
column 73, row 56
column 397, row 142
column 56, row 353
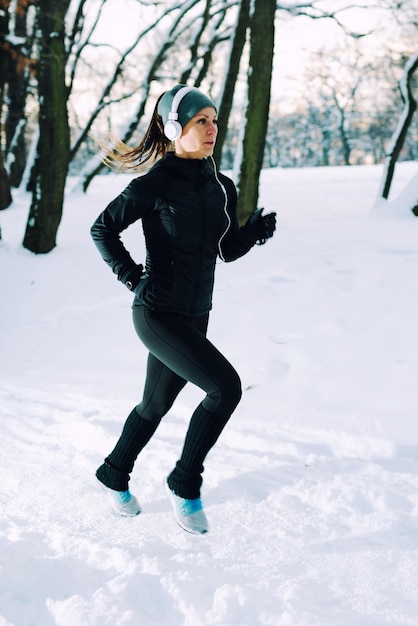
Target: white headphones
column 172, row 128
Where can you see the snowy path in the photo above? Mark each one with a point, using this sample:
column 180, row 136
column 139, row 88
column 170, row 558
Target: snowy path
column 312, row 490
column 303, row 532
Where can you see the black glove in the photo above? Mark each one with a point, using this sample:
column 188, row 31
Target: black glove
column 132, row 278
column 260, row 227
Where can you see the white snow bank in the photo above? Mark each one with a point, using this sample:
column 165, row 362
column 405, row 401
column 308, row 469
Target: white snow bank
column 312, row 490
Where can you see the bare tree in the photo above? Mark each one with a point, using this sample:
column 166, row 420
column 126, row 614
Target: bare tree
column 405, row 120
column 195, row 44
column 180, row 42
column 21, row 69
column 231, row 75
column 105, row 98
column 95, row 165
column 51, row 162
column 5, row 187
column 257, row 111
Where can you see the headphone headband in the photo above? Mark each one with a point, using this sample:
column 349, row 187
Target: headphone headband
column 178, row 97
column 173, row 128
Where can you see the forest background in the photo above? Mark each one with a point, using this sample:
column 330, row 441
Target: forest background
column 297, row 84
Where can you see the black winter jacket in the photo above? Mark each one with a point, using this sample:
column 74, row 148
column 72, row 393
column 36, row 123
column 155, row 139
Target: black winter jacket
column 186, row 221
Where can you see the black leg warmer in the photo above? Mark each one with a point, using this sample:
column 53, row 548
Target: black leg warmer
column 204, row 429
column 136, row 433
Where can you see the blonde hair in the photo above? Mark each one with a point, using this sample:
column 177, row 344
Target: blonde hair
column 120, row 157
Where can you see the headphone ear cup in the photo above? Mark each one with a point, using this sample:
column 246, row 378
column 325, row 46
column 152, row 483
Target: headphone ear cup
column 172, row 130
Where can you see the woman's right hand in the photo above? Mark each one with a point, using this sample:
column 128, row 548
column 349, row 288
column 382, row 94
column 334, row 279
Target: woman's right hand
column 134, row 277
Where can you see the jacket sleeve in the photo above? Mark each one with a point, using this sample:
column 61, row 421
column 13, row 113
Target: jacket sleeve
column 132, row 204
column 234, row 243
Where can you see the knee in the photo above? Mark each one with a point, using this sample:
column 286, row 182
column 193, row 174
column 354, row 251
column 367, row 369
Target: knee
column 237, row 392
column 234, row 390
column 153, row 411
column 226, row 397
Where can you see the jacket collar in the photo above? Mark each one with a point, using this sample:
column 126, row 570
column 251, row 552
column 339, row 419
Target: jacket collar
column 186, row 168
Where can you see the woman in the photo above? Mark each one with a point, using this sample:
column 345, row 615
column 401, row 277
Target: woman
column 188, row 214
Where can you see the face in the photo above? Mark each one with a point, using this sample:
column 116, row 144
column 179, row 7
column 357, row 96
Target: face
column 199, row 135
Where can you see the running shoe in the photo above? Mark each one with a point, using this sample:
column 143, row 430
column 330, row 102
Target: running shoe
column 188, row 514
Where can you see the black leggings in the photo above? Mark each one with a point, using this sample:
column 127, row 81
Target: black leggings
column 179, row 351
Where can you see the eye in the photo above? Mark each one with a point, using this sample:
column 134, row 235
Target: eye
column 203, row 121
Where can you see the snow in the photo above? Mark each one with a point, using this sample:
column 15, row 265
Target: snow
column 311, row 491
column 14, row 40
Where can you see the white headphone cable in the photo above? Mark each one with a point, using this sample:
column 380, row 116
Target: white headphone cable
column 225, row 208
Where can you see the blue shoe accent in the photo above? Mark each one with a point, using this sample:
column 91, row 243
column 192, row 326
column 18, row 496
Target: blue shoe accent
column 188, row 514
column 188, row 507
column 122, row 497
column 123, row 502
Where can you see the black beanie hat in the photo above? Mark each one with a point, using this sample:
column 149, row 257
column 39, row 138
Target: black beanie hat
column 191, row 103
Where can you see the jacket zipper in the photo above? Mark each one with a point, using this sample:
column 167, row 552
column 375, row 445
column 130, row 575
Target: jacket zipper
column 202, row 222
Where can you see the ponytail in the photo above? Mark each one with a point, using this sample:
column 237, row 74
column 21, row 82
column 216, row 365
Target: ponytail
column 121, row 158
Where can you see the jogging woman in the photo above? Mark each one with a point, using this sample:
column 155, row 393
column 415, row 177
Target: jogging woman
column 188, row 214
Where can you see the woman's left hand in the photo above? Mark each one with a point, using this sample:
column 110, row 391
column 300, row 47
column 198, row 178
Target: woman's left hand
column 260, row 227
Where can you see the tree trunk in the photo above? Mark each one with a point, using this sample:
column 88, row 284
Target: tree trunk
column 399, row 135
column 227, row 96
column 5, row 193
column 346, row 150
column 51, row 162
column 18, row 82
column 259, row 85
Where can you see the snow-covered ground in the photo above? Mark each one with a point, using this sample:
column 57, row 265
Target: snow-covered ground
column 312, row 490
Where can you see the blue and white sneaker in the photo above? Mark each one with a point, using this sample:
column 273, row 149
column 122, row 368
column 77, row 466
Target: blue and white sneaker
column 188, row 514
column 123, row 502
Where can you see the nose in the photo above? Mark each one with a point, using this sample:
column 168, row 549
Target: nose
column 212, row 129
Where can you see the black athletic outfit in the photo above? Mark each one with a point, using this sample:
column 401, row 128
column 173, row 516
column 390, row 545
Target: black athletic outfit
column 188, row 215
